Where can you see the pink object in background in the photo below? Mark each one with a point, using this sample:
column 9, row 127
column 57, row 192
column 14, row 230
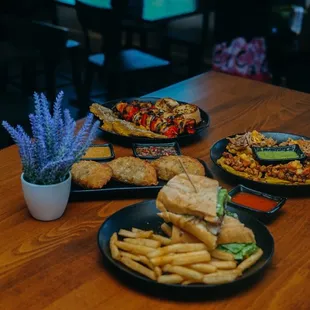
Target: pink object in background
column 242, row 58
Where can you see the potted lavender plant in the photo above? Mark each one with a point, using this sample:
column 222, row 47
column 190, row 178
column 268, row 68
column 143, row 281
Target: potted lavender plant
column 48, row 156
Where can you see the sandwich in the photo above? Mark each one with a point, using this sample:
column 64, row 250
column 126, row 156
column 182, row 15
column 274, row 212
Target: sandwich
column 180, row 236
column 236, row 239
column 195, row 206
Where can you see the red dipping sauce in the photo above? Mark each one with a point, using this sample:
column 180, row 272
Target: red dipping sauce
column 254, row 202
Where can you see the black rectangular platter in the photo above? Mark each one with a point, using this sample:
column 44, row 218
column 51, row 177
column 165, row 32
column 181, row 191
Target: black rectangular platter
column 174, row 145
column 118, row 190
column 294, row 148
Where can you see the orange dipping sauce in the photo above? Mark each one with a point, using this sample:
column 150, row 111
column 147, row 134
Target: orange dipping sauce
column 254, row 202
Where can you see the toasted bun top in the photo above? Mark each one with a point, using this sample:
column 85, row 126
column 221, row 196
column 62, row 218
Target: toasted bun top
column 179, row 196
column 233, row 231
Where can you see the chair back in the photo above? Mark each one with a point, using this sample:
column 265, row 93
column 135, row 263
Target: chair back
column 207, row 8
column 50, row 40
column 30, row 9
column 106, row 22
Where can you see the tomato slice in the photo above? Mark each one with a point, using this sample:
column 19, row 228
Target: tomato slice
column 190, row 130
column 154, row 124
column 144, row 119
column 190, row 126
column 171, row 132
column 131, row 111
column 120, row 107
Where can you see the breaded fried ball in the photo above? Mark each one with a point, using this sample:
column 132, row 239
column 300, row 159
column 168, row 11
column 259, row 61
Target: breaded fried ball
column 133, row 170
column 91, row 174
column 169, row 166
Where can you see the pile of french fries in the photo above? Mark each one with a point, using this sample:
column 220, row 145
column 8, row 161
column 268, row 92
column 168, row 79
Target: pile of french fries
column 157, row 258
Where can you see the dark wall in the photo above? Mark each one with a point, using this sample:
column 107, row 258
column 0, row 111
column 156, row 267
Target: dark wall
column 241, row 18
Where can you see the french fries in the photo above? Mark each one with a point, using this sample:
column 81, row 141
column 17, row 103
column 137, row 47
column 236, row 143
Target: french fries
column 141, row 241
column 184, row 272
column 129, row 255
column 133, row 248
column 157, row 258
column 137, row 234
column 170, row 279
column 222, row 255
column 180, row 259
column 158, row 271
column 192, row 258
column 220, row 277
column 138, row 267
column 204, row 268
column 161, row 239
column 166, row 229
column 250, row 261
column 223, row 264
column 178, row 248
column 113, row 248
column 147, row 262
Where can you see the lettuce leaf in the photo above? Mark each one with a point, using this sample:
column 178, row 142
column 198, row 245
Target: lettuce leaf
column 222, row 198
column 239, row 250
column 232, row 214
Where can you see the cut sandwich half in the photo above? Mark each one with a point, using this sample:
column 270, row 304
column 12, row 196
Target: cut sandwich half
column 181, row 236
column 197, row 210
column 236, row 239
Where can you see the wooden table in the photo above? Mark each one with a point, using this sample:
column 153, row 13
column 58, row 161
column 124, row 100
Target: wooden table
column 57, row 265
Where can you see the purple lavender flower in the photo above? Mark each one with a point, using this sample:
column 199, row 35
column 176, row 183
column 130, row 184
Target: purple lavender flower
column 47, row 156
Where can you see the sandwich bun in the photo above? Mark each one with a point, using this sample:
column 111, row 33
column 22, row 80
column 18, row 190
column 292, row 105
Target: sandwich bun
column 191, row 226
column 180, row 236
column 180, row 197
column 233, row 231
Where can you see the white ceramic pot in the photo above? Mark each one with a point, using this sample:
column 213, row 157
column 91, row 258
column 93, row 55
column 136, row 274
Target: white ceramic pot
column 46, row 202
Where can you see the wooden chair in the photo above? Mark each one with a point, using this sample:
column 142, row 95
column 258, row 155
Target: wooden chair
column 50, row 44
column 119, row 66
column 192, row 32
column 42, row 10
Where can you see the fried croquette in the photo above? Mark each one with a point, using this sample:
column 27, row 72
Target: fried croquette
column 133, row 171
column 91, row 174
column 169, row 166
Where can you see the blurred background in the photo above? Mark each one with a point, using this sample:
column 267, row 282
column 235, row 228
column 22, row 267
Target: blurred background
column 96, row 50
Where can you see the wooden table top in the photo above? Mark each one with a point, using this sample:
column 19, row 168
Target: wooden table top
column 57, row 265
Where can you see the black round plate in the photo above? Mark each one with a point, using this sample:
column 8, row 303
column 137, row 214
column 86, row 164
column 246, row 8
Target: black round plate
column 143, row 215
column 184, row 138
column 220, row 146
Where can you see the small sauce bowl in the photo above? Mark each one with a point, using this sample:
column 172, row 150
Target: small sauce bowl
column 261, row 205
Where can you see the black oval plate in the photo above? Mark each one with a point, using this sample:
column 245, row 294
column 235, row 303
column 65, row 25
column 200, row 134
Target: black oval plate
column 143, row 215
column 220, row 146
column 184, row 138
